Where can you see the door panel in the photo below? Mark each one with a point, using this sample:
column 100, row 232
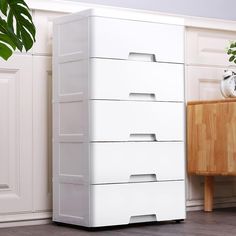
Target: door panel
column 16, row 134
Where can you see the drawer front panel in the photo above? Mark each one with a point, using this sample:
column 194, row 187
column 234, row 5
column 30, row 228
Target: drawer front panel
column 117, row 38
column 136, row 80
column 137, row 162
column 136, row 121
column 129, row 203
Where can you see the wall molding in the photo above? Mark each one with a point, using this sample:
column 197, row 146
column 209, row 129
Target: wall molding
column 189, row 21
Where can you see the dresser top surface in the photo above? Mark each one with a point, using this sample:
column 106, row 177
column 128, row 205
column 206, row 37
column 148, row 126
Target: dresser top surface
column 227, row 100
column 126, row 15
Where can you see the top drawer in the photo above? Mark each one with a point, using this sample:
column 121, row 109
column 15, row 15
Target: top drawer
column 78, row 37
column 125, row 39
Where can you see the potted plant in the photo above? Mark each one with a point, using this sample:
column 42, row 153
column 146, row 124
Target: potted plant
column 17, row 30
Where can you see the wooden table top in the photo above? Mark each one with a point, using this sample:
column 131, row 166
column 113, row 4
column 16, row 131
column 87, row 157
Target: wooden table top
column 212, row 101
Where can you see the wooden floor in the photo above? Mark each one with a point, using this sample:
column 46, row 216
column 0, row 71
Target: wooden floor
column 219, row 223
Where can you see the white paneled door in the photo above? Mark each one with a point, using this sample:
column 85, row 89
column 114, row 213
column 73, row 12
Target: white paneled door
column 16, row 134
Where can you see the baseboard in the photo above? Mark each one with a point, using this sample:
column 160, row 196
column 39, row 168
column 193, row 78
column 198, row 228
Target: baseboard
column 198, row 205
column 39, row 218
column 25, row 219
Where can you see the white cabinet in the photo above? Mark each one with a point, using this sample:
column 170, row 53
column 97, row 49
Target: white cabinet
column 26, row 129
column 118, row 121
column 16, row 135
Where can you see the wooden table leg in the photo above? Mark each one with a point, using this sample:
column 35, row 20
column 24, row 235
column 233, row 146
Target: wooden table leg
column 208, row 193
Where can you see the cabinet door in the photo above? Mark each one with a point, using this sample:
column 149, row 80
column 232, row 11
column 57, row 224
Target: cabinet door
column 203, row 83
column 42, row 133
column 211, row 138
column 208, row 47
column 16, row 134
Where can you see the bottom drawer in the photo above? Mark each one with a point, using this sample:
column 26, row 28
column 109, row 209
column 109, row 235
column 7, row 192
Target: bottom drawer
column 117, row 204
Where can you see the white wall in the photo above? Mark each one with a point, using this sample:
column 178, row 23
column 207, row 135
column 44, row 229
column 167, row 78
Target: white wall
column 205, row 8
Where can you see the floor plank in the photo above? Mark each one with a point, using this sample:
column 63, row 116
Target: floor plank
column 217, row 223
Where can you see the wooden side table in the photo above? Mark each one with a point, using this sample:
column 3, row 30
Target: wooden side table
column 211, row 137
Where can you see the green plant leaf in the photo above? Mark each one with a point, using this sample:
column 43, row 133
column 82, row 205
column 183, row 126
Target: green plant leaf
column 229, row 51
column 231, row 58
column 6, row 39
column 5, row 51
column 5, row 29
column 233, row 45
column 10, row 20
column 25, row 29
column 3, row 6
column 17, row 29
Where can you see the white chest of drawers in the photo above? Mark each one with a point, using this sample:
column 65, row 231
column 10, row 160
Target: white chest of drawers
column 118, row 121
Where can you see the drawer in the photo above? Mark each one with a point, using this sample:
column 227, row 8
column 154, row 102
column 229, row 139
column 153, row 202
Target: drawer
column 124, row 39
column 136, row 162
column 122, row 80
column 136, row 80
column 117, row 204
column 135, row 121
